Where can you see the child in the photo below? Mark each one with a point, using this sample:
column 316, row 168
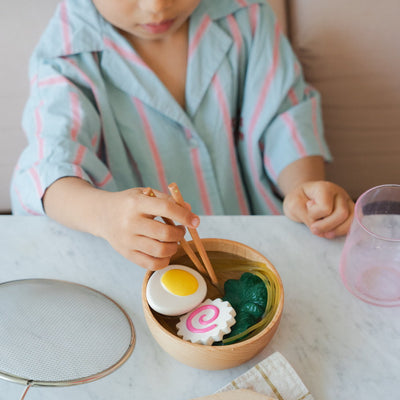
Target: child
column 208, row 94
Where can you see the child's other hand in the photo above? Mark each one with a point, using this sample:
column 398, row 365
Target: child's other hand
column 323, row 206
column 129, row 226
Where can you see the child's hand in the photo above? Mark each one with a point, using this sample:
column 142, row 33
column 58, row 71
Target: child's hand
column 324, row 207
column 129, row 226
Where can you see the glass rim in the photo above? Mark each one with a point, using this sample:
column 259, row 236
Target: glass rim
column 357, row 206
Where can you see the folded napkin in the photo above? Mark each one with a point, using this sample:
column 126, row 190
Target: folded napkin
column 238, row 394
column 273, row 377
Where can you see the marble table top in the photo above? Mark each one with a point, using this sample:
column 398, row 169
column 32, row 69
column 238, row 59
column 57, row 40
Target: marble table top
column 341, row 347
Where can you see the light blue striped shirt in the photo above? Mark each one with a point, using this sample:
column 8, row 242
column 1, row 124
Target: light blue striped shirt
column 98, row 112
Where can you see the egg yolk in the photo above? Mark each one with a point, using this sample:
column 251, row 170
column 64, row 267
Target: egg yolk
column 180, row 283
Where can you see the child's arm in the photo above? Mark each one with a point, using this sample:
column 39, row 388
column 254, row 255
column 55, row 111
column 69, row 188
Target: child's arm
column 323, row 206
column 125, row 219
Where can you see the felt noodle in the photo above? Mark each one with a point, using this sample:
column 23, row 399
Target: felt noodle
column 202, row 320
column 263, row 272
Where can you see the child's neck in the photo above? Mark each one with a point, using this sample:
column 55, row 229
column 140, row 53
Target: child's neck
column 168, row 60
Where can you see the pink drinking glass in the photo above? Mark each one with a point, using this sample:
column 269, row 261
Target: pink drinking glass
column 370, row 261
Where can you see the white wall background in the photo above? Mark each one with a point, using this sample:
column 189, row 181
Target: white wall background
column 21, row 24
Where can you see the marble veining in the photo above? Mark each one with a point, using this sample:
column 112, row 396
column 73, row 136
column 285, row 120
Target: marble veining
column 341, row 347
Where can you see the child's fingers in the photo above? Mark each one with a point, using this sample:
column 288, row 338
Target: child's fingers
column 340, row 230
column 160, row 231
column 162, row 195
column 338, row 222
column 343, row 228
column 323, row 206
column 321, row 199
column 295, row 207
column 154, row 248
column 165, row 207
column 146, row 261
column 309, row 202
column 320, row 206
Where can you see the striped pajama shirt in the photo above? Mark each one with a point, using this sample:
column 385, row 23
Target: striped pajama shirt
column 98, row 112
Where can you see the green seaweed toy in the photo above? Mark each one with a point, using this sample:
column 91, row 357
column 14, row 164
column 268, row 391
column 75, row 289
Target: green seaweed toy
column 248, row 296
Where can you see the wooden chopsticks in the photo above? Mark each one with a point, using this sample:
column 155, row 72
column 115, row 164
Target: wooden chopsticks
column 185, row 245
column 176, row 194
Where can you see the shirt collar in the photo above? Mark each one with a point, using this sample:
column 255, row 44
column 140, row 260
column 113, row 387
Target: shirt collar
column 77, row 26
column 217, row 9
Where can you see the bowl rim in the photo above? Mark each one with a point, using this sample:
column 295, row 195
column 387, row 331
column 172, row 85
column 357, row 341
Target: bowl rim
column 276, row 318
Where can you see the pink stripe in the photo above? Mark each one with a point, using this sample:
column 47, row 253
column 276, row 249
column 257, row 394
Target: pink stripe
column 54, row 81
column 34, row 80
column 27, row 209
column 237, row 37
column 314, row 110
column 39, row 129
column 308, row 90
column 152, row 143
column 198, row 36
column 297, row 69
column 254, row 12
column 242, row 3
column 266, row 197
column 201, row 182
column 88, row 81
column 94, row 140
column 266, row 84
column 294, row 133
column 65, row 28
column 194, row 152
column 79, row 155
column 258, row 109
column 78, row 171
column 127, row 54
column 293, row 97
column 270, row 168
column 229, row 134
column 76, row 115
column 104, row 182
column 36, row 180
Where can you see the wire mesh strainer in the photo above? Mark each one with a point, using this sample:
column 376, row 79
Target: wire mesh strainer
column 56, row 333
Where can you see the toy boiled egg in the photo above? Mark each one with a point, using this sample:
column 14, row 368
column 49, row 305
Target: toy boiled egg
column 175, row 290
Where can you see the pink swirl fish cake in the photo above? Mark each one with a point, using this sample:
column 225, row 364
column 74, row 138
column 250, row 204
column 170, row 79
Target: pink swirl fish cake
column 207, row 323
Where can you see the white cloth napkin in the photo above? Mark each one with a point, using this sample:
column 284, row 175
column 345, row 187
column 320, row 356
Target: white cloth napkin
column 273, row 377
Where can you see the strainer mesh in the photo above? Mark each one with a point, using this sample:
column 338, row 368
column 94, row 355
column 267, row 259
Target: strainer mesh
column 56, row 331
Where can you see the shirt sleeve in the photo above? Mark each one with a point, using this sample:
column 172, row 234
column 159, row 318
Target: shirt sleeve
column 281, row 112
column 63, row 128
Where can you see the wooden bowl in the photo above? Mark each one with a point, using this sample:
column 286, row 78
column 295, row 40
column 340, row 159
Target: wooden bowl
column 201, row 356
